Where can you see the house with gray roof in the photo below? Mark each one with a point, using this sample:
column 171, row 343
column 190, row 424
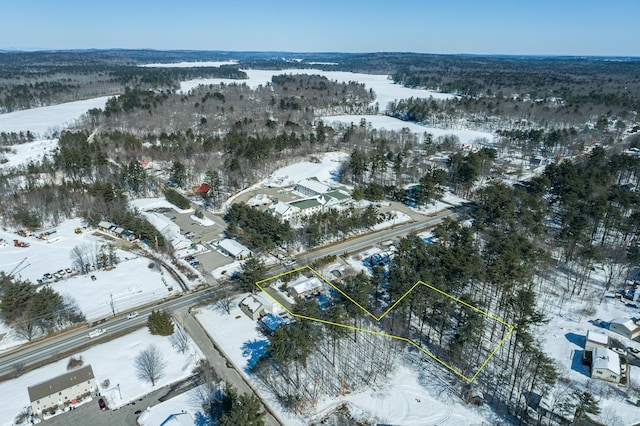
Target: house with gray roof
column 61, row 390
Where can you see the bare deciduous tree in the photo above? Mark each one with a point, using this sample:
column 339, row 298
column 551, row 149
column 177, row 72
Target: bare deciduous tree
column 224, row 302
column 80, row 258
column 150, row 364
column 179, row 339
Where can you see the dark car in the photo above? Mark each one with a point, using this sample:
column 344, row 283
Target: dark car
column 102, row 404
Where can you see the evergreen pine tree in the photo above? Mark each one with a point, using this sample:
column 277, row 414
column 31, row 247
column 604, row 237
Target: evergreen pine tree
column 160, row 323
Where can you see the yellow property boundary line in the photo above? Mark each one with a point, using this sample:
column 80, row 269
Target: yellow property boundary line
column 404, row 339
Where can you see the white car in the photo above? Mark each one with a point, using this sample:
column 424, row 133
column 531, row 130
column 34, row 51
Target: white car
column 132, row 315
column 97, row 332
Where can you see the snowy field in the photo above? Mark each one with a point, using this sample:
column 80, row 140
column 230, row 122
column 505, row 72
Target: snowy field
column 29, row 151
column 113, row 360
column 43, row 121
column 130, row 284
column 385, row 89
column 410, row 398
column 326, row 170
column 383, row 122
column 216, row 64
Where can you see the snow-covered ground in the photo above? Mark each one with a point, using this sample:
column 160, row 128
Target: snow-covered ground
column 325, row 170
column 564, row 338
column 466, row 136
column 183, row 406
column 145, row 204
column 191, row 64
column 27, row 152
column 122, row 284
column 385, row 89
column 43, row 121
column 409, row 398
column 113, row 360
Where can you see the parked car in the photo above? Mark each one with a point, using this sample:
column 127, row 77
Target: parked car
column 102, row 404
column 132, row 315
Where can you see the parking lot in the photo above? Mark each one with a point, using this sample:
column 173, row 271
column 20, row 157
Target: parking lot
column 200, row 234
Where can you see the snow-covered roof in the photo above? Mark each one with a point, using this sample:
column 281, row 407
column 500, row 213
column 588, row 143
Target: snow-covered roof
column 251, row 303
column 233, row 247
column 596, row 337
column 314, row 185
column 309, row 284
column 104, row 224
column 605, row 358
column 281, row 208
column 626, row 323
column 163, row 224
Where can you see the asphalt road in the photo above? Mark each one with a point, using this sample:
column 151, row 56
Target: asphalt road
column 57, row 347
column 53, row 348
column 67, row 343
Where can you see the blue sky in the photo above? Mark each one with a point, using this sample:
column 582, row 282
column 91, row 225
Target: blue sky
column 541, row 27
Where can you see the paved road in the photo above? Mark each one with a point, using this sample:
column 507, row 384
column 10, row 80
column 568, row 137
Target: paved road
column 57, row 347
column 221, row 363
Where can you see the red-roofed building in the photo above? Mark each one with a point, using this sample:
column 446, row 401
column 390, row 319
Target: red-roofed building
column 202, row 189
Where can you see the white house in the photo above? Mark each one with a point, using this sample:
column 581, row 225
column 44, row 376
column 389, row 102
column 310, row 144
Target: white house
column 251, row 306
column 256, row 305
column 306, row 287
column 62, row 389
column 625, row 327
column 234, row 249
column 606, row 365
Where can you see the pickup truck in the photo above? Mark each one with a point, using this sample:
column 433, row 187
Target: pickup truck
column 97, row 332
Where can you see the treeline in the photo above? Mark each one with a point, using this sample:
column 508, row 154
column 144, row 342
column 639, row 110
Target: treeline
column 80, row 181
column 31, row 311
column 256, row 228
column 263, row 231
column 308, row 360
column 323, row 227
column 379, row 174
column 46, row 78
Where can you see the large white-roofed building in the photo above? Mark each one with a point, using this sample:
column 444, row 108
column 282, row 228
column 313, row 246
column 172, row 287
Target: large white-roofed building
column 234, row 249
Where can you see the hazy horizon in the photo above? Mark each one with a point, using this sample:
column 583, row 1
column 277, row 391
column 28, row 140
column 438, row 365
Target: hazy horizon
column 492, row 27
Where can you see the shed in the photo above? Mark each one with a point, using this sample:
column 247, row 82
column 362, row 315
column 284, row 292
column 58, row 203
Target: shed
column 596, row 340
